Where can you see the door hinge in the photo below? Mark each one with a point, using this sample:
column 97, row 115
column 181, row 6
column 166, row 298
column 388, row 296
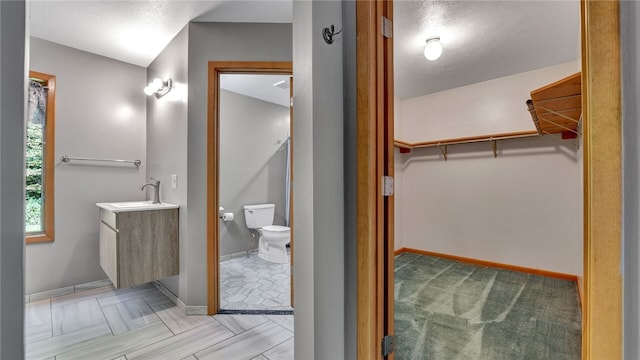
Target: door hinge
column 387, row 27
column 387, row 186
column 387, row 345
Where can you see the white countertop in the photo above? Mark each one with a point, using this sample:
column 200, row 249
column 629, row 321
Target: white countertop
column 135, row 206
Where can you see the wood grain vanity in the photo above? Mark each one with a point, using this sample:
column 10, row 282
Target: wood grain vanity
column 138, row 242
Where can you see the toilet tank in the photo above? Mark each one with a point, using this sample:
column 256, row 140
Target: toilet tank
column 257, row 216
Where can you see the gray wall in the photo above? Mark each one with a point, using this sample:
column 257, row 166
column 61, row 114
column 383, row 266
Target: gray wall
column 630, row 17
column 252, row 164
column 13, row 42
column 100, row 113
column 205, row 42
column 167, row 120
column 350, row 176
column 319, row 182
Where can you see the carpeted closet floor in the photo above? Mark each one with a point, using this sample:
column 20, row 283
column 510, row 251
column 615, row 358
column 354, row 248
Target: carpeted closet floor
column 447, row 310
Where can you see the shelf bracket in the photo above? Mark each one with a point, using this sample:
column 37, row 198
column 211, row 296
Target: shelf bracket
column 443, row 150
column 534, row 116
column 494, row 146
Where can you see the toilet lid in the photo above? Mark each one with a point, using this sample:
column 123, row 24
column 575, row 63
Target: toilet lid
column 276, row 228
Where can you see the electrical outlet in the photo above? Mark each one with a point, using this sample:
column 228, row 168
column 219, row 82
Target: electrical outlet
column 174, row 181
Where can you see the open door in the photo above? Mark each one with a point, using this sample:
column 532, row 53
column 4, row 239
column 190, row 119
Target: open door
column 375, row 179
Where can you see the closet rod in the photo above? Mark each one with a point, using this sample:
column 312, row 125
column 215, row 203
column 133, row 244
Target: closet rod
column 465, row 140
column 67, row 158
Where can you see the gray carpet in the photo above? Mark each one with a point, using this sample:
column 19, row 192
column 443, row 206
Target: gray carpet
column 447, row 310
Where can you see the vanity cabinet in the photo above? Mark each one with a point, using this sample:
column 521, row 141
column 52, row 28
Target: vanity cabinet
column 138, row 246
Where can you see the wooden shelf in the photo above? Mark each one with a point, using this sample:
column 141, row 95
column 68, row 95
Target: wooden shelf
column 464, row 140
column 557, row 107
column 406, row 147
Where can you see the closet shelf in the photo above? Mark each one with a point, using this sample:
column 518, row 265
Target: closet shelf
column 464, row 140
column 557, row 107
column 554, row 108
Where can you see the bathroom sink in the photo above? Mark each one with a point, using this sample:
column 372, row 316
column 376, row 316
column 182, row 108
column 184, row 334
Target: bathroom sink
column 131, row 204
column 135, row 206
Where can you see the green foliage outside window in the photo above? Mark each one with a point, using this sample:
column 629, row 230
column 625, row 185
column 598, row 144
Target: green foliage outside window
column 34, row 202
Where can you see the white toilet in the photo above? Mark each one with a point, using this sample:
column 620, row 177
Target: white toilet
column 273, row 238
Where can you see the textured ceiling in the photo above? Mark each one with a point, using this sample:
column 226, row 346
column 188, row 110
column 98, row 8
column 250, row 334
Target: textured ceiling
column 482, row 40
column 136, row 31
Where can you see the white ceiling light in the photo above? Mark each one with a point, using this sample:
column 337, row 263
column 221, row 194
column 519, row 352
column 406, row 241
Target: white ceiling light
column 433, row 50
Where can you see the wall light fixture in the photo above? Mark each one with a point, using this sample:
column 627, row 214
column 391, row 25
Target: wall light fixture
column 433, row 50
column 159, row 87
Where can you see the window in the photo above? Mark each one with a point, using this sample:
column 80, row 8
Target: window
column 40, row 140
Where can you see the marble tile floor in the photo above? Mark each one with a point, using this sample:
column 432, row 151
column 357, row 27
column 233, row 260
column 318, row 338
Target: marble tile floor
column 251, row 283
column 142, row 323
column 446, row 309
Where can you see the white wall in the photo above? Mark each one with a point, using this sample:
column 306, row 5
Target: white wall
column 319, row 198
column 630, row 18
column 519, row 209
column 523, row 208
column 489, row 107
column 13, row 74
column 100, row 113
column 167, row 120
column 253, row 160
column 398, row 175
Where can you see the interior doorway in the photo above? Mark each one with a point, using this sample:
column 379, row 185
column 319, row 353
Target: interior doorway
column 233, row 213
column 475, row 175
column 602, row 330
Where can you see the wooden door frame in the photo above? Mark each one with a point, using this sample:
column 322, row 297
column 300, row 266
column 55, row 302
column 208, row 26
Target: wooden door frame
column 602, row 149
column 216, row 68
column 374, row 58
column 602, row 144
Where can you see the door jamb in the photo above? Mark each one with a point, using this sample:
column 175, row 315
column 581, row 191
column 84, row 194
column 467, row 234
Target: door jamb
column 375, row 159
column 213, row 161
column 602, row 146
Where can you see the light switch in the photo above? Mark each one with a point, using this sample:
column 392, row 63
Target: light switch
column 174, row 181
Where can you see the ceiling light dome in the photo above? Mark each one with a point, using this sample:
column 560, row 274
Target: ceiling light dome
column 433, row 50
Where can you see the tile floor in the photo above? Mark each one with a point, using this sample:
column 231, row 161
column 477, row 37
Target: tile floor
column 250, row 283
column 142, row 323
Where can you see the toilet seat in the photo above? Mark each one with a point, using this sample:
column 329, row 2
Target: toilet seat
column 276, row 228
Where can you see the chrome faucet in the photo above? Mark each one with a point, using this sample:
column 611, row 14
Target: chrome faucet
column 156, row 188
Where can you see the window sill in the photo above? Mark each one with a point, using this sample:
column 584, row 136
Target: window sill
column 38, row 238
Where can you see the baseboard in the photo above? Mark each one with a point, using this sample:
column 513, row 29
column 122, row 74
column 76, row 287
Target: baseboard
column 186, row 309
column 191, row 309
column 522, row 269
column 43, row 295
column 237, row 255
